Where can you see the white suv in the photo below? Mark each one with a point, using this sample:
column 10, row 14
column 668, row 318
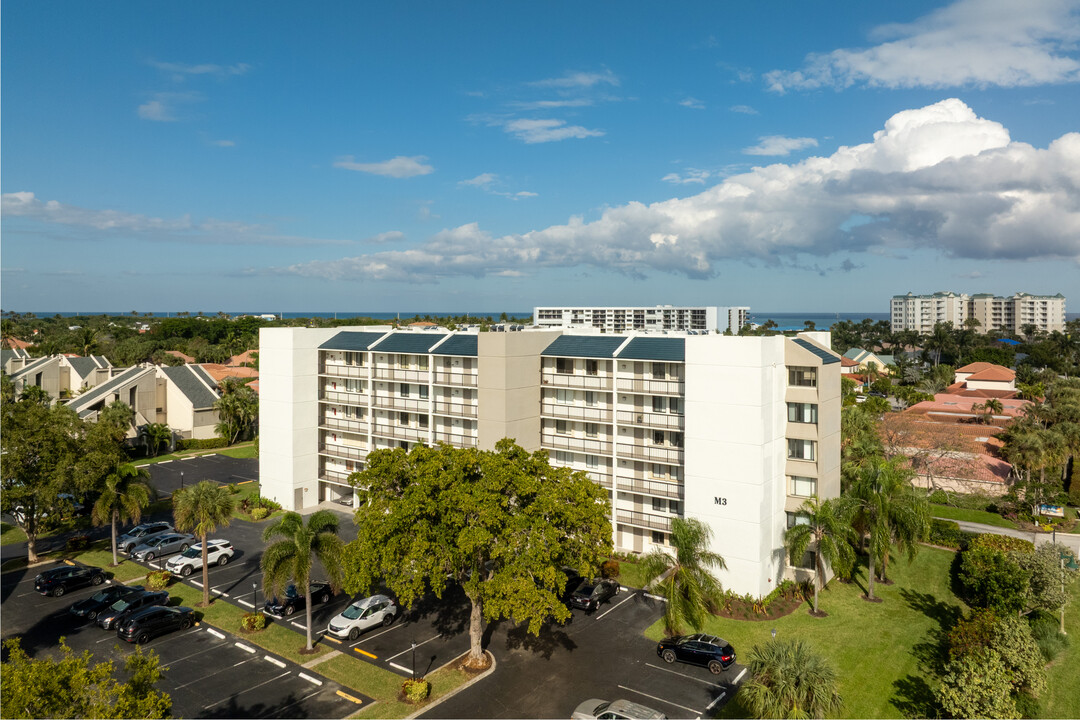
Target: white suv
column 218, row 552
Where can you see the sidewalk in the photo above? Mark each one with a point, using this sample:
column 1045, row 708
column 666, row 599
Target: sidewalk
column 1069, row 540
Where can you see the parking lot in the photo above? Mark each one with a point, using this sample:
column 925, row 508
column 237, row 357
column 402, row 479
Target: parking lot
column 208, row 673
column 167, row 477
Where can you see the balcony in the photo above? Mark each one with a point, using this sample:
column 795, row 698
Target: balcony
column 652, row 387
column 602, row 479
column 421, row 377
column 400, row 432
column 586, row 382
column 652, row 453
column 344, row 424
column 579, row 444
column 456, row 379
column 345, row 398
column 331, row 475
column 393, row 402
column 456, row 439
column 343, row 451
column 575, row 412
column 664, row 421
column 644, row 520
column 344, row 371
column 455, row 409
column 653, row 488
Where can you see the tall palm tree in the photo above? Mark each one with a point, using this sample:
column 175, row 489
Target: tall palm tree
column 790, row 680
column 126, row 494
column 830, row 532
column 157, row 434
column 202, row 509
column 289, row 559
column 688, row 585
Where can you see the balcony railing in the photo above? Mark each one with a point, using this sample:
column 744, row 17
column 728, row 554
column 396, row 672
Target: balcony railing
column 587, row 382
column 455, row 409
column 343, row 451
column 649, row 487
column 657, row 453
column 460, row 379
column 400, row 432
column 332, row 475
column 644, row 520
column 580, row 444
column 600, row 478
column 456, row 439
column 345, row 371
column 393, row 402
column 575, row 412
column 345, row 424
column 666, row 421
column 652, row 387
column 411, row 376
column 346, row 398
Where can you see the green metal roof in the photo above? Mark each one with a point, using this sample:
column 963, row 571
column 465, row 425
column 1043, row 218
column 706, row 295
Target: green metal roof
column 583, row 346
column 654, row 348
column 827, row 358
column 458, row 345
column 347, row 340
column 415, row 343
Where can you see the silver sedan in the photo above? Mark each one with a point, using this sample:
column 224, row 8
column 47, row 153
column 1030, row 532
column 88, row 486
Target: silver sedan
column 161, row 545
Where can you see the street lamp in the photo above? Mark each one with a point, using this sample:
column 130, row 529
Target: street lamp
column 181, row 479
column 774, row 633
column 414, row 661
column 254, row 587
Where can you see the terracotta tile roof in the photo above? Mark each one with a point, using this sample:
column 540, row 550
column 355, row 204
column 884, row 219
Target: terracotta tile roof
column 960, row 404
column 244, row 357
column 182, row 356
column 219, row 372
column 847, row 362
column 994, row 373
column 976, row 367
column 423, row 323
column 16, row 343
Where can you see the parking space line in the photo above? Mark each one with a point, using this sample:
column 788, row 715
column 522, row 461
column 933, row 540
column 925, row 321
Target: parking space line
column 244, row 647
column 719, row 697
column 237, row 694
column 331, row 639
column 209, row 649
column 658, row 699
column 740, row 676
column 402, row 669
column 297, row 702
column 314, row 681
column 242, row 662
column 365, row 652
column 277, row 662
column 196, row 583
column 688, row 677
column 655, row 597
column 601, row 615
column 372, row 637
column 413, row 647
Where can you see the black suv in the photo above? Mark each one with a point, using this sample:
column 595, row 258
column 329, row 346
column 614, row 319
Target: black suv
column 125, row 607
column 150, row 622
column 590, row 593
column 700, row 649
column 59, row 580
column 319, row 592
column 91, row 606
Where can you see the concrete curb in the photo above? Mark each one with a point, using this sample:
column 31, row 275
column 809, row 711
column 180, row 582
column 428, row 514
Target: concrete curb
column 455, row 691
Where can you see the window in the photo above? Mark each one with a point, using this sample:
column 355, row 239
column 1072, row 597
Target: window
column 592, row 462
column 658, row 437
column 592, row 367
column 590, row 398
column 676, row 439
column 422, row 420
column 801, row 486
column 590, row 430
column 403, row 362
column 562, row 427
column 423, row 392
column 403, row 390
column 673, row 406
column 800, row 449
column 802, row 413
column 673, row 506
column 659, row 404
column 659, row 538
column 794, row 519
column 564, row 397
column 422, row 362
column 659, row 371
column 802, row 376
column 806, row 562
column 564, row 458
column 658, row 505
column 403, row 418
column 658, row 470
column 564, row 365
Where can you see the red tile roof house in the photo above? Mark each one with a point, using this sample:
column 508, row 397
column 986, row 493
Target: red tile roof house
column 984, row 380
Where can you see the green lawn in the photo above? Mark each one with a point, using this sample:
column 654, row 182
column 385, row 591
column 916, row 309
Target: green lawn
column 241, row 452
column 10, row 534
column 249, row 490
column 100, row 555
column 880, row 650
column 631, row 575
column 979, row 516
column 1062, row 699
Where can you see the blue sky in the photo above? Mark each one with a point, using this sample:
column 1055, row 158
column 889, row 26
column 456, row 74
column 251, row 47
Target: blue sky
column 491, row 155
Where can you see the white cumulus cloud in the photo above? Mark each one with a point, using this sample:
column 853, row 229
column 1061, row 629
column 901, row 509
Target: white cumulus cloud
column 779, row 145
column 969, row 43
column 481, row 180
column 541, row 130
column 743, row 109
column 692, row 103
column 691, row 176
column 396, row 167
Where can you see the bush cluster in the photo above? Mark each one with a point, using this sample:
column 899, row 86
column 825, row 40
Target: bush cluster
column 609, row 569
column 1046, row 631
column 158, row 580
column 948, row 534
column 253, row 621
column 259, row 508
column 78, row 542
column 416, row 691
column 1002, row 543
column 201, row 444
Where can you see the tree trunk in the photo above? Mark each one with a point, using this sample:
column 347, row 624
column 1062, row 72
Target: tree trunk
column 476, row 658
column 31, row 548
column 870, row 585
column 115, row 561
column 205, row 572
column 307, row 611
column 818, row 580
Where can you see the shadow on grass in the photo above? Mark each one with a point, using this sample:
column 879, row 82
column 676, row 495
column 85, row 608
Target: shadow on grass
column 914, row 698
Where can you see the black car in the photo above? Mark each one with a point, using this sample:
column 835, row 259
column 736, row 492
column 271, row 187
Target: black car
column 125, row 607
column 293, row 601
column 573, row 579
column 59, row 580
column 708, row 650
column 149, row 622
column 91, row 606
column 590, row 593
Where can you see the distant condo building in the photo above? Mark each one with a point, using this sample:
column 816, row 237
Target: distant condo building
column 627, row 319
column 993, row 313
column 734, row 431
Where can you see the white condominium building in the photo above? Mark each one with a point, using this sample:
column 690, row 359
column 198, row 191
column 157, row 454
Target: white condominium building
column 734, row 431
column 993, row 313
column 627, row 319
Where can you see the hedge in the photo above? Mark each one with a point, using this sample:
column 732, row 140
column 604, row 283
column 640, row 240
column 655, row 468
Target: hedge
column 948, row 534
column 206, row 444
column 1003, row 543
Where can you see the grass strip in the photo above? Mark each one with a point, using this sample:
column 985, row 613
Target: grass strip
column 101, row 557
column 949, row 512
column 631, row 574
column 442, row 681
column 11, row 534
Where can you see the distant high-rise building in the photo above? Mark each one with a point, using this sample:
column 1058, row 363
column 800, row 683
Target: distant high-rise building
column 993, row 313
column 626, row 319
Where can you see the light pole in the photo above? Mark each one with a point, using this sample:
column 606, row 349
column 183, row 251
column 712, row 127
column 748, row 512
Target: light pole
column 774, row 633
column 181, row 479
column 254, row 588
column 414, row 661
column 1062, row 592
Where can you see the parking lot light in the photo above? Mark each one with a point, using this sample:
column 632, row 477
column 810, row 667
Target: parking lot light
column 414, row 661
column 774, row 633
column 254, row 587
column 181, row 479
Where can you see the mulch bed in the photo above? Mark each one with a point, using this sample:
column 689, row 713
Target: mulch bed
column 777, row 609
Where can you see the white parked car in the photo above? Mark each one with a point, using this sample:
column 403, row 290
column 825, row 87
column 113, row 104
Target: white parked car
column 362, row 615
column 218, row 552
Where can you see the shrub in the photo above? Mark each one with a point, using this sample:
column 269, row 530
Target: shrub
column 259, row 513
column 415, row 691
column 948, row 534
column 1002, row 543
column 78, row 542
column 939, row 497
column 993, row 579
column 234, row 489
column 1044, row 628
column 253, row 621
column 609, row 569
column 158, row 580
column 202, row 444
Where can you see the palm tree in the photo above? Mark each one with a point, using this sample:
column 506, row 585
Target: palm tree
column 202, row 509
column 789, row 680
column 289, row 559
column 688, row 585
column 157, row 434
column 125, row 495
column 831, row 534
